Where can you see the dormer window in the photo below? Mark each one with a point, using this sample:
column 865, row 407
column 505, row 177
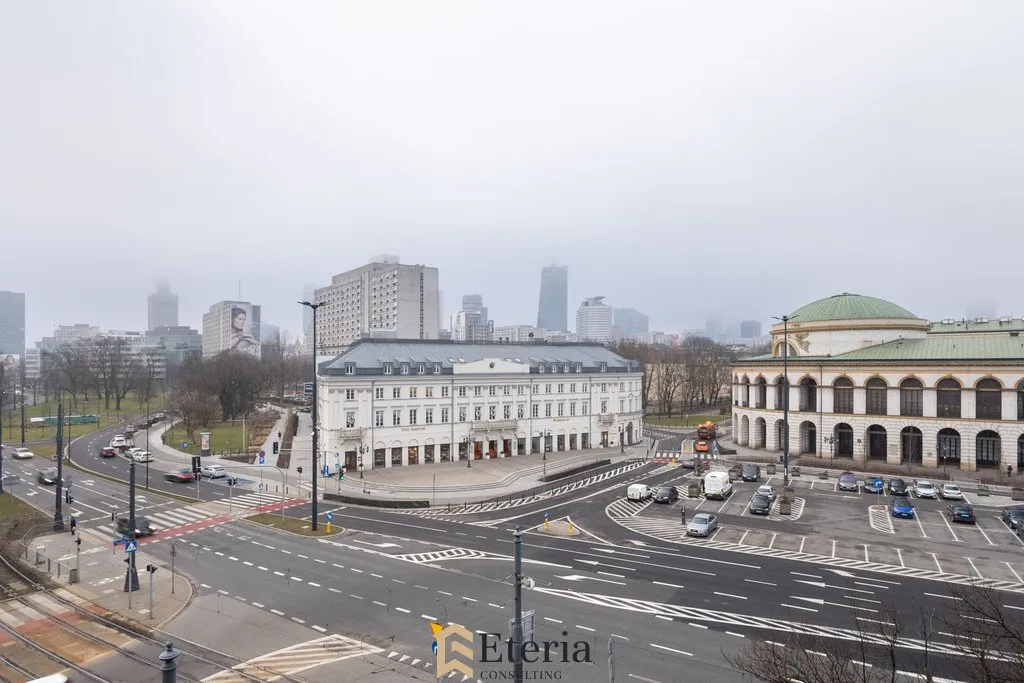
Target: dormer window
column 387, row 368
column 540, row 369
column 565, row 368
column 604, row 367
column 579, row 367
column 554, row 368
column 350, row 369
column 421, row 369
column 405, row 369
column 437, row 369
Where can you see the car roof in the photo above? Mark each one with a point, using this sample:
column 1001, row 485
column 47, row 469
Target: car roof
column 924, row 481
column 701, row 516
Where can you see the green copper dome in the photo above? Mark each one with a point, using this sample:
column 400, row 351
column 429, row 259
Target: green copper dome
column 847, row 306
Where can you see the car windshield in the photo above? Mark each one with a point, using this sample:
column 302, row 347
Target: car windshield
column 701, row 519
column 924, row 485
column 664, row 489
column 846, row 477
column 951, row 487
column 759, row 499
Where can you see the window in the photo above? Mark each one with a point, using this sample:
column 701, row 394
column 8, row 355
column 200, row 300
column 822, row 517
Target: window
column 350, row 419
column 622, row 386
column 536, row 388
column 876, row 396
column 387, row 368
column 565, row 368
column 444, row 415
column 350, row 369
column 604, row 367
column 547, row 410
column 412, row 392
column 583, row 387
column 462, row 392
column 520, row 411
column 350, row 394
column 604, row 407
column 444, row 391
column 378, row 418
column 378, row 392
column 462, row 414
column 584, row 407
column 988, row 400
column 507, row 412
column 808, row 394
column 396, row 392
column 508, row 390
column 911, row 398
column 428, row 416
column 561, row 410
column 579, row 367
column 554, row 368
column 477, row 391
column 745, row 392
column 405, row 369
column 428, row 392
column 572, row 388
column 622, row 405
column 412, row 416
column 492, row 412
column 535, row 410
column 761, row 393
column 421, row 369
column 540, row 368
column 561, row 388
column 547, row 388
column 396, row 418
column 572, row 408
column 477, row 412
column 842, row 396
column 1020, row 401
column 437, row 369
column 522, row 389
column 492, row 391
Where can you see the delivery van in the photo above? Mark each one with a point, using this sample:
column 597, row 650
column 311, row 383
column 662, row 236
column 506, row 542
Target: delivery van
column 717, row 485
column 638, row 492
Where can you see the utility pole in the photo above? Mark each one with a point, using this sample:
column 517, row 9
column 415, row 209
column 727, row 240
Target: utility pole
column 316, row 432
column 1, row 445
column 785, row 398
column 22, row 401
column 131, row 577
column 58, row 510
column 611, row 660
column 517, row 624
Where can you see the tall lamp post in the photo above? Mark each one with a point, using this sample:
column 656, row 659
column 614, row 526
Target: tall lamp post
column 830, row 440
column 362, row 451
column 785, row 397
column 469, row 456
column 316, row 400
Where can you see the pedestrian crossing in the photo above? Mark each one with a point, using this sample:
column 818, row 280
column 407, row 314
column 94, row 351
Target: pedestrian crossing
column 674, row 532
column 199, row 515
column 447, row 554
column 295, row 659
column 679, row 457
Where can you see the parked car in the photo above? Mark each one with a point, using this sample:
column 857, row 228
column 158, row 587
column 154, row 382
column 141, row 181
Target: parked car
column 717, row 485
column 702, row 524
column 1020, row 531
column 925, row 489
column 848, row 482
column 142, row 526
column 874, row 485
column 901, row 507
column 961, row 512
column 22, row 454
column 638, row 492
column 751, row 473
column 767, row 491
column 47, row 477
column 665, row 494
column 108, row 452
column 760, row 505
column 951, row 492
column 898, row 487
column 1013, row 517
column 181, row 476
column 142, row 456
column 214, row 471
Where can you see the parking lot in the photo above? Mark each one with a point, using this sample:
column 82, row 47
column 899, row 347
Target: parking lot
column 858, row 526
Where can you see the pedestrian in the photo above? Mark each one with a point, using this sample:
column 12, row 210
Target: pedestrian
column 74, row 523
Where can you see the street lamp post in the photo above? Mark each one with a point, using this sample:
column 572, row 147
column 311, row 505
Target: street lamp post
column 785, row 398
column 466, row 441
column 830, row 440
column 622, row 445
column 316, row 400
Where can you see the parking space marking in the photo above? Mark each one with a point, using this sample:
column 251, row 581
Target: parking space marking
column 880, row 520
column 899, row 554
column 803, row 539
column 920, row 526
column 866, row 553
column 971, row 562
column 937, row 565
column 833, row 547
column 774, row 536
column 978, row 526
column 950, row 527
column 1013, row 571
column 743, row 536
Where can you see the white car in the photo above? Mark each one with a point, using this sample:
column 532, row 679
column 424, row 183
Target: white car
column 766, row 490
column 214, row 471
column 132, row 451
column 925, row 489
column 118, row 441
column 142, row 456
column 951, row 492
column 638, row 492
column 22, row 454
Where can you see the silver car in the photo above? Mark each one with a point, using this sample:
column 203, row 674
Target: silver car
column 925, row 489
column 951, row 492
column 702, row 525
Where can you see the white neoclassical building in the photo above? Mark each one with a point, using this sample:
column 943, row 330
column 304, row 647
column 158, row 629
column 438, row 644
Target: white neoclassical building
column 398, row 402
column 868, row 380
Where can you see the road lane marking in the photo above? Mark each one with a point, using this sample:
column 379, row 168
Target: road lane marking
column 730, row 595
column 586, row 628
column 703, row 626
column 616, row 635
column 314, row 585
column 402, row 609
column 295, row 578
column 805, row 609
column 554, row 621
column 671, row 649
column 663, row 617
column 357, row 597
column 298, row 621
column 257, row 604
column 262, row 568
column 277, row 612
column 428, row 617
column 670, row 585
column 319, row 628
column 810, row 576
column 733, row 633
column 333, row 590
column 645, row 680
column 379, row 603
column 944, row 597
column 763, row 583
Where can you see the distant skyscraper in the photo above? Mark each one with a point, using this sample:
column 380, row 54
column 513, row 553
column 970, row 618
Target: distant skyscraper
column 594, row 320
column 163, row 307
column 713, row 327
column 630, row 323
column 750, row 329
column 472, row 323
column 553, row 307
column 12, row 323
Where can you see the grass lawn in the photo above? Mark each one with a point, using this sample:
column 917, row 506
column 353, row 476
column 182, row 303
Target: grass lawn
column 94, row 406
column 17, row 516
column 296, row 526
column 684, row 421
column 225, row 437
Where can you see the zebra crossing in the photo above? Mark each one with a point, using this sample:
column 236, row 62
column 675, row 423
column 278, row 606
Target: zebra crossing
column 192, row 516
column 447, row 554
column 674, row 532
column 680, row 457
column 295, row 659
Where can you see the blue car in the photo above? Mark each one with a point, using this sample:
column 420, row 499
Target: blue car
column 901, row 507
column 874, row 485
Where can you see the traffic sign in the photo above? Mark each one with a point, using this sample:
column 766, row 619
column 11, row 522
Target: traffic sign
column 184, row 445
column 714, row 449
column 263, row 458
column 325, row 470
column 329, row 516
column 121, row 541
column 433, row 647
column 131, row 547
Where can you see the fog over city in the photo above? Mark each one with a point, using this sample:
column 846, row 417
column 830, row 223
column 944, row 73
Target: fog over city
column 683, row 159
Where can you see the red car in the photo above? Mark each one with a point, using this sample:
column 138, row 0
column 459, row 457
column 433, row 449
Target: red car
column 180, row 476
column 108, row 452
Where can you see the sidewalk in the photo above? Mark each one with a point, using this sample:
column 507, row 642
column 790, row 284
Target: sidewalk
column 101, row 569
column 454, row 482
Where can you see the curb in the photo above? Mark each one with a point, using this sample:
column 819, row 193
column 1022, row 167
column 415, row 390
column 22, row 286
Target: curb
column 245, row 520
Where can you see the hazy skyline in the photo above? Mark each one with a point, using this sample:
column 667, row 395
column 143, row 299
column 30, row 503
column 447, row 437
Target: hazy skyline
column 679, row 158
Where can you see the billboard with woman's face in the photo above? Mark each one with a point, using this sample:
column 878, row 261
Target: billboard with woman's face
column 244, row 329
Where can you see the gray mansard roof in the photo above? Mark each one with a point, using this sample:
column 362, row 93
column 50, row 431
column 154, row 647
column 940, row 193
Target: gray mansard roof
column 369, row 356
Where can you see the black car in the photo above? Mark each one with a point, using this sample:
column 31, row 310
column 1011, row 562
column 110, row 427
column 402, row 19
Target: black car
column 142, row 526
column 48, row 476
column 180, row 476
column 1013, row 517
column 898, row 487
column 665, row 494
column 961, row 512
column 751, row 473
column 760, row 505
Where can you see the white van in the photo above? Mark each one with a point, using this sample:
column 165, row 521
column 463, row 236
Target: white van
column 717, row 485
column 638, row 492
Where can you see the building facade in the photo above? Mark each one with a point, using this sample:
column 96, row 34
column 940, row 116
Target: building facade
column 516, row 333
column 594, row 320
column 179, row 343
column 629, row 323
column 553, row 304
column 12, row 323
column 870, row 381
column 231, row 326
column 162, row 306
column 750, row 329
column 413, row 402
column 382, row 299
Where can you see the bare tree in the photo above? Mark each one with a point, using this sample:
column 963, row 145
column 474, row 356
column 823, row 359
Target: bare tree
column 988, row 631
column 670, row 377
column 115, row 369
column 71, row 368
column 194, row 406
column 645, row 354
column 237, row 380
column 279, row 358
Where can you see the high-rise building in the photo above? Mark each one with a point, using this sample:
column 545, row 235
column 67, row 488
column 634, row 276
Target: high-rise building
column 12, row 323
column 383, row 299
column 553, row 306
column 178, row 343
column 713, row 328
column 163, row 307
column 516, row 333
column 630, row 323
column 231, row 326
column 750, row 329
column 594, row 320
column 472, row 322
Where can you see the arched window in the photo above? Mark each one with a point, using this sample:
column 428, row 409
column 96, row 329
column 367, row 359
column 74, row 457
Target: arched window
column 988, row 400
column 780, row 393
column 911, row 393
column 877, row 390
column 948, row 398
column 761, row 393
column 842, row 396
column 808, row 395
column 1020, row 400
column 746, row 391
column 987, row 449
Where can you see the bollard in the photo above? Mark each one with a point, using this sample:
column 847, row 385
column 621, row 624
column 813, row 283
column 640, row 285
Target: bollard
column 682, row 515
column 570, row 527
column 73, row 576
column 169, row 664
column 39, row 554
column 49, row 568
column 545, row 521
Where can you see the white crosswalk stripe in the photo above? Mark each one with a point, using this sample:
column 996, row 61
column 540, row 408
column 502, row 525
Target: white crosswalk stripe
column 166, row 519
column 626, row 508
column 440, row 555
column 293, row 660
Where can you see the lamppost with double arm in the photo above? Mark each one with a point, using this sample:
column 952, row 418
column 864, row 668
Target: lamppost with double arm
column 316, row 399
column 785, row 397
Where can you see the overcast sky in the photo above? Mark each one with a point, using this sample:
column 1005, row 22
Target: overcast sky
column 679, row 157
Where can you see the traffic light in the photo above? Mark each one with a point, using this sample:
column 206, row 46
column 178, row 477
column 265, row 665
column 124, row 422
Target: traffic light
column 299, row 469
column 275, row 448
column 341, row 473
column 150, row 568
